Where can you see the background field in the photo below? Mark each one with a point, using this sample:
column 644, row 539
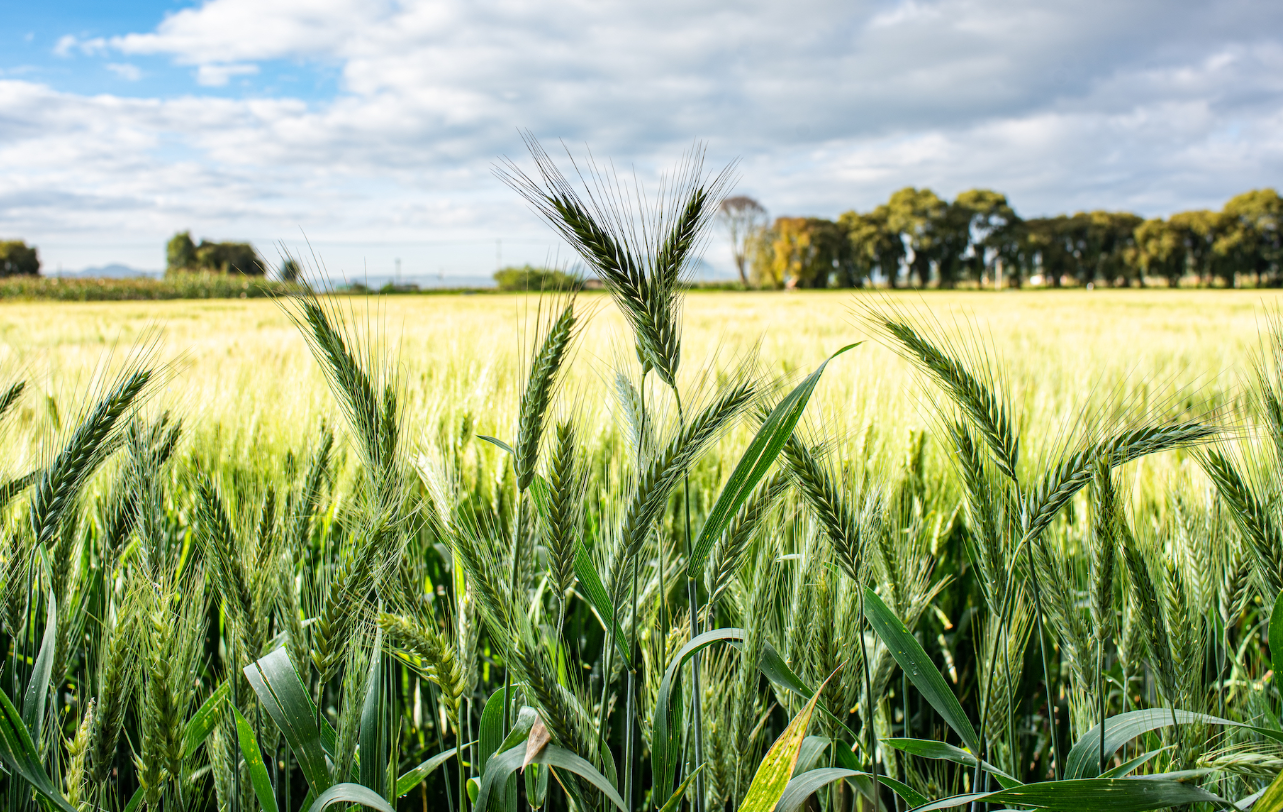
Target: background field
column 240, row 369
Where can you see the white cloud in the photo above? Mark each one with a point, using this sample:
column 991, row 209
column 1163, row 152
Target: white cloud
column 217, row 75
column 831, row 104
column 68, row 44
column 126, row 71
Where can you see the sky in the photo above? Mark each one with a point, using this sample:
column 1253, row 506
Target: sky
column 362, row 132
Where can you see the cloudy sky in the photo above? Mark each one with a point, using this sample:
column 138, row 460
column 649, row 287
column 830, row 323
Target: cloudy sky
column 371, row 126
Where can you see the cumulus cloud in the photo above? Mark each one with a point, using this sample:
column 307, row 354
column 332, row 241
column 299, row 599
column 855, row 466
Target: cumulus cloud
column 830, row 105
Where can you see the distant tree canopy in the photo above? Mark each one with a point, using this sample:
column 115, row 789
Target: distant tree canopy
column 18, row 259
column 528, row 277
column 291, row 270
column 184, row 256
column 917, row 238
column 741, row 217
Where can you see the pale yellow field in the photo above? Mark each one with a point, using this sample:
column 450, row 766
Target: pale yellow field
column 240, row 369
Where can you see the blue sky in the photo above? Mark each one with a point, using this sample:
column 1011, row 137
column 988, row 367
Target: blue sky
column 371, row 128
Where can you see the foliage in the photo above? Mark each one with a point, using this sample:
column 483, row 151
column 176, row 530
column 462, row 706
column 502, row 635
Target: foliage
column 184, row 256
column 917, row 238
column 742, row 217
column 530, row 278
column 18, row 259
column 179, row 286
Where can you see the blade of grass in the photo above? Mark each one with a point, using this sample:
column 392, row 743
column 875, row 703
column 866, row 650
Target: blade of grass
column 917, row 665
column 773, row 774
column 279, row 688
column 254, row 762
column 20, row 756
column 350, row 794
column 753, row 464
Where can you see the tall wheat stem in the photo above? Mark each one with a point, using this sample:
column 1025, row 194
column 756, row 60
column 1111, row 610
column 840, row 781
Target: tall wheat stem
column 987, row 696
column 1100, row 675
column 868, row 705
column 512, row 590
column 631, row 688
column 692, row 599
column 1046, row 673
column 608, row 649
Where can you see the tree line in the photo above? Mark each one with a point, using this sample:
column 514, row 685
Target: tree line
column 919, row 239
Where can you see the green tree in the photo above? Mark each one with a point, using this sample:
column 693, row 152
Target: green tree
column 180, row 253
column 182, row 256
column 1253, row 234
column 18, row 259
column 291, row 271
column 875, row 247
column 1161, row 250
column 914, row 214
column 530, row 278
column 1048, row 248
column 1110, row 240
column 229, row 257
column 951, row 247
column 1200, row 231
column 994, row 230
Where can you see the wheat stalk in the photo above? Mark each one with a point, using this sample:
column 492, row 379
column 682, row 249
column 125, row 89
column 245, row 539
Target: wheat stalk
column 830, row 504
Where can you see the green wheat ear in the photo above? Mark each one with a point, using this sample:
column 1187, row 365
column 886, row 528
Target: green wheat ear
column 829, row 502
column 640, row 256
column 567, row 492
column 975, row 398
column 60, row 482
column 537, row 396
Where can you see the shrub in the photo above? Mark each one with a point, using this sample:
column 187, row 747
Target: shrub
column 528, row 277
column 18, row 259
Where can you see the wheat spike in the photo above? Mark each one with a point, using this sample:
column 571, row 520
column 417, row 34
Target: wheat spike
column 11, row 396
column 373, row 419
column 732, row 546
column 1148, row 601
column 830, row 504
column 975, row 398
column 567, row 491
column 62, row 480
column 537, row 395
column 1059, row 484
column 982, row 512
column 436, row 654
column 76, row 777
column 1255, row 523
column 1103, row 551
column 665, row 469
column 310, row 493
column 116, row 673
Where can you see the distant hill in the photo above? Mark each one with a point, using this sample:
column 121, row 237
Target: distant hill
column 113, row 271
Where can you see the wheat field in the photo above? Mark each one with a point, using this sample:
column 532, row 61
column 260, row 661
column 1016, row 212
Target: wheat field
column 244, row 367
column 473, row 552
